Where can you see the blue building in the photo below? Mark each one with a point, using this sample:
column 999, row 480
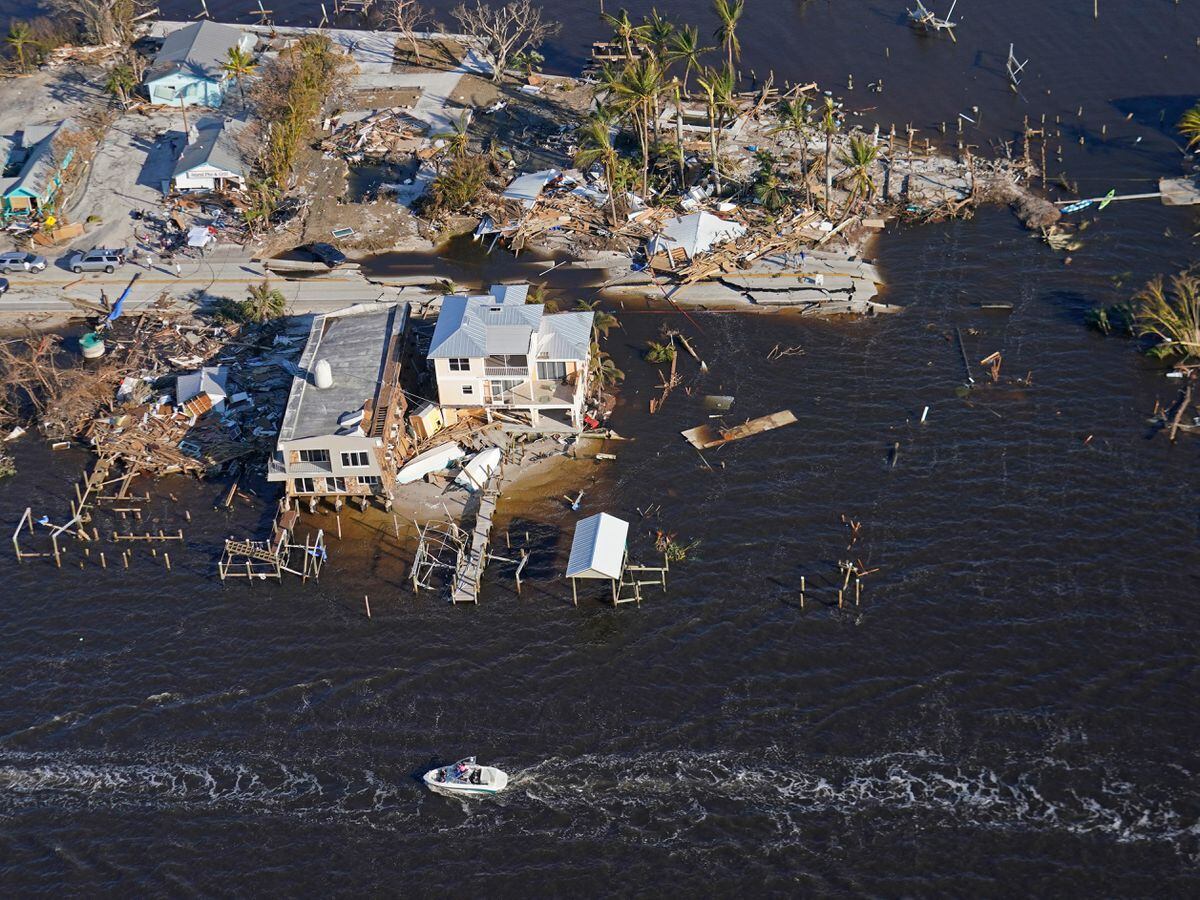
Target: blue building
column 33, row 170
column 187, row 70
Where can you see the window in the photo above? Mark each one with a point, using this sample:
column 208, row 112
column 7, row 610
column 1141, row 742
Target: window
column 555, row 371
column 313, row 456
column 335, row 485
column 460, row 365
column 468, row 390
column 305, row 486
column 370, row 480
column 356, row 460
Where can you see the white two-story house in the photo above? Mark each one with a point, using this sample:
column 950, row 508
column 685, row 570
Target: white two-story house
column 500, row 353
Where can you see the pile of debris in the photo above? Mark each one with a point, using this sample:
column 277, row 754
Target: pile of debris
column 163, row 398
column 375, row 135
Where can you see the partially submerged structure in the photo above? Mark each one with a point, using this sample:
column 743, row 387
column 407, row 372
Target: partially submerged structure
column 342, row 433
column 600, row 551
column 684, row 238
column 188, row 70
column 212, row 159
column 498, row 352
column 33, row 169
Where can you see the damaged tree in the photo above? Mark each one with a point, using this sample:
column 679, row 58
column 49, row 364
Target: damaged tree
column 507, row 30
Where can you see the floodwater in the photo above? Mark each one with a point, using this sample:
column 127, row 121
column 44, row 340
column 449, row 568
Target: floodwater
column 1010, row 710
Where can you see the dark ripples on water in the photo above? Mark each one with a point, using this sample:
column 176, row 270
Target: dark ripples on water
column 1010, row 710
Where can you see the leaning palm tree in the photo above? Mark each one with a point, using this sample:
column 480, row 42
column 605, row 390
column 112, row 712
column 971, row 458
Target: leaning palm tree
column 685, row 48
column 655, row 32
column 604, row 371
column 458, row 138
column 717, row 87
column 20, row 37
column 263, row 303
column 596, row 146
column 793, row 119
column 1189, row 126
column 729, row 12
column 623, row 29
column 637, row 93
column 1171, row 314
column 239, row 65
column 602, row 322
column 858, row 158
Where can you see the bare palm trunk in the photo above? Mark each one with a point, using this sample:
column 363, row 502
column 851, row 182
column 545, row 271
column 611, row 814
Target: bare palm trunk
column 828, row 169
column 714, row 144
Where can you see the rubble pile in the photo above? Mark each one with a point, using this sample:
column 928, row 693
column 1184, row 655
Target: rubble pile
column 130, row 410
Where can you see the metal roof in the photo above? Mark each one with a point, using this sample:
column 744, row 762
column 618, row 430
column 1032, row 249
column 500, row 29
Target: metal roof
column 355, row 342
column 695, row 233
column 473, row 327
column 197, row 49
column 509, row 293
column 527, row 188
column 215, row 145
column 565, row 335
column 598, row 547
column 210, row 380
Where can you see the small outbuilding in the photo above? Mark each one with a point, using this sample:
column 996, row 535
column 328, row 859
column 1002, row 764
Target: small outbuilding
column 599, row 549
column 212, row 160
column 686, row 237
column 202, row 390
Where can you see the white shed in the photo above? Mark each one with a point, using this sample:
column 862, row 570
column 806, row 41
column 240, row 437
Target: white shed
column 209, row 382
column 598, row 550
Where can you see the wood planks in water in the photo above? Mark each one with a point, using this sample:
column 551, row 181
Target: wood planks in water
column 704, row 436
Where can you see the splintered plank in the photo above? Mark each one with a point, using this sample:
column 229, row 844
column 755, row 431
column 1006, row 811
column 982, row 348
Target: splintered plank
column 703, row 437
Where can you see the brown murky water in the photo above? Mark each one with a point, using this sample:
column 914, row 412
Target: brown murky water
column 1010, row 709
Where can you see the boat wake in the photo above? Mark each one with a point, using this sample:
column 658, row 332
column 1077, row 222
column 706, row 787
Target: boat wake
column 675, row 797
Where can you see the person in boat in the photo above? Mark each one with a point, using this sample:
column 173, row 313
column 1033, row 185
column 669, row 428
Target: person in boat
column 460, row 770
column 476, row 776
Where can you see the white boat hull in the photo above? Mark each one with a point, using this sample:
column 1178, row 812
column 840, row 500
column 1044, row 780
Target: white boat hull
column 446, row 781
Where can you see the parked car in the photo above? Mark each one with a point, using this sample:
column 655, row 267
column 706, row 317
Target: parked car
column 327, row 253
column 25, row 262
column 98, row 259
column 3, row 286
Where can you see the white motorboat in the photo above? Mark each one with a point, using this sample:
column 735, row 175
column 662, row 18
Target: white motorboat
column 466, row 777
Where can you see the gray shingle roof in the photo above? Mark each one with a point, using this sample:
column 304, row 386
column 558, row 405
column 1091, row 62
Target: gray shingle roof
column 40, row 164
column 215, row 145
column 472, row 327
column 197, row 49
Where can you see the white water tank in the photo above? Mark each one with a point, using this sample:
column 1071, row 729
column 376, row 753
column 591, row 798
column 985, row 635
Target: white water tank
column 322, row 374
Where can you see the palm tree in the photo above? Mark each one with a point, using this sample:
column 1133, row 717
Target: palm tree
column 604, row 371
column 239, row 65
column 685, row 48
column 20, row 36
column 623, row 29
column 121, row 82
column 656, row 32
column 1171, row 314
column 859, row 158
column 602, row 322
column 793, row 119
column 1189, row 126
column 718, row 97
column 829, row 124
column 637, row 92
column 458, row 138
column 596, row 146
column 263, row 303
column 728, row 13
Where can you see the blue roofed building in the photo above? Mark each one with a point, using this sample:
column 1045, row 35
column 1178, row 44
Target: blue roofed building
column 497, row 352
column 33, row 170
column 188, row 69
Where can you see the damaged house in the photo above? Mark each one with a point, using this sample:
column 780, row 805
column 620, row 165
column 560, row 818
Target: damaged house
column 33, row 171
column 188, row 71
column 212, row 159
column 684, row 238
column 342, row 433
column 499, row 353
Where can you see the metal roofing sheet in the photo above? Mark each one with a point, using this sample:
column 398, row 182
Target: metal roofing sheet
column 598, row 547
column 197, row 49
column 472, row 327
column 565, row 335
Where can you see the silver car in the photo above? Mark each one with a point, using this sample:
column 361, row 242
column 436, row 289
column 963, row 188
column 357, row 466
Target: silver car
column 23, row 262
column 98, row 259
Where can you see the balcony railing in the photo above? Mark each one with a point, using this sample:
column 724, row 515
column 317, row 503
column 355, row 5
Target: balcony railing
column 507, row 371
